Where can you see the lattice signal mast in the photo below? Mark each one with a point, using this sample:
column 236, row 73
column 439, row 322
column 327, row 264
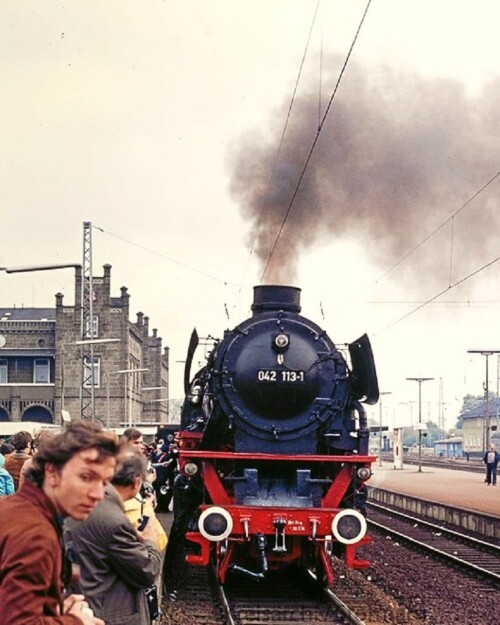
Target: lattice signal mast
column 87, row 327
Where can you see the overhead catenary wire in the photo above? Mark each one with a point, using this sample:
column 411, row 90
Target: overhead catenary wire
column 435, row 297
column 282, row 138
column 315, row 141
column 168, row 258
column 436, row 230
column 450, row 284
column 320, row 78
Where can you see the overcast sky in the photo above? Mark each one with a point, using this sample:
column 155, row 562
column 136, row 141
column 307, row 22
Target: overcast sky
column 161, row 122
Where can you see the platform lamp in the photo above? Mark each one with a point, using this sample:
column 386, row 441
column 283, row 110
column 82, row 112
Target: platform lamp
column 130, row 372
column 420, row 380
column 380, row 427
column 51, row 267
column 83, row 342
column 156, row 399
column 486, row 428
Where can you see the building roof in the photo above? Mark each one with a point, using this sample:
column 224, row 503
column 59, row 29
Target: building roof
column 480, row 411
column 27, row 314
column 453, row 439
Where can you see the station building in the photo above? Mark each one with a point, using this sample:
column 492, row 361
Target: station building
column 44, row 372
column 480, row 427
column 449, row 447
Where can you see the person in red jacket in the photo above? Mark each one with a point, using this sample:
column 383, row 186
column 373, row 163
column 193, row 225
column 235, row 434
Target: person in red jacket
column 67, row 479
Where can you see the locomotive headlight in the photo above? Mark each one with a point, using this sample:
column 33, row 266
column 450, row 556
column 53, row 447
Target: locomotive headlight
column 215, row 524
column 190, row 468
column 349, row 526
column 364, row 473
column 281, row 341
column 195, row 394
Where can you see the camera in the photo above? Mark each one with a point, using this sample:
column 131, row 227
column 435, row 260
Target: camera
column 146, row 490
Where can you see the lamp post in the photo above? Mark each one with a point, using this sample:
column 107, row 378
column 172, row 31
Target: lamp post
column 380, row 428
column 40, row 267
column 151, row 411
column 50, row 267
column 486, row 428
column 81, row 343
column 168, row 401
column 121, row 371
column 420, row 380
column 91, row 377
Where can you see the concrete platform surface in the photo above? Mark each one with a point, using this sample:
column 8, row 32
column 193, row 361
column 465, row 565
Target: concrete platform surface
column 463, row 489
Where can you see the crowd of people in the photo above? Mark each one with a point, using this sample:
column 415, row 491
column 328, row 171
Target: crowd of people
column 80, row 542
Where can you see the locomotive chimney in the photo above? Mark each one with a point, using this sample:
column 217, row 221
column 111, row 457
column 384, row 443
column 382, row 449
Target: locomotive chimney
column 272, row 297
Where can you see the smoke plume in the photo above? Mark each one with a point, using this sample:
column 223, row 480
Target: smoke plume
column 397, row 156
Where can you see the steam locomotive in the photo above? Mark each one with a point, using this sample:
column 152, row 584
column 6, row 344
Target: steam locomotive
column 274, row 445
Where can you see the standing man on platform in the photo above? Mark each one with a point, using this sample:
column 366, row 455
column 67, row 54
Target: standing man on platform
column 491, row 459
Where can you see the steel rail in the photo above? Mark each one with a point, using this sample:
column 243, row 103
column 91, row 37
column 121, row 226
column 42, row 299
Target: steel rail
column 434, row 550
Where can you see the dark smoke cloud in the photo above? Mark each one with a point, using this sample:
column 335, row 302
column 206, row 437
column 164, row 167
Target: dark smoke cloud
column 397, row 156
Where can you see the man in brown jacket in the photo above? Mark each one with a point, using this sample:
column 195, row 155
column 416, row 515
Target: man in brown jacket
column 67, row 479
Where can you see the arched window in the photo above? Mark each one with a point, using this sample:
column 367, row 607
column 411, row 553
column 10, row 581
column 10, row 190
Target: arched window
column 40, row 414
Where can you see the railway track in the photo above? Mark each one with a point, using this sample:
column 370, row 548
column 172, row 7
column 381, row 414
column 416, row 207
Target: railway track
column 406, row 584
column 473, row 466
column 469, row 553
column 291, row 598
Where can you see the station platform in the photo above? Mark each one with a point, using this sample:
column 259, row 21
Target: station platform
column 463, row 489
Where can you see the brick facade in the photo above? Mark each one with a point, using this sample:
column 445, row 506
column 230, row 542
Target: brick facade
column 35, row 337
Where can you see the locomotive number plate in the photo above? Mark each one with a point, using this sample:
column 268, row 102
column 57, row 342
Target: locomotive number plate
column 273, row 375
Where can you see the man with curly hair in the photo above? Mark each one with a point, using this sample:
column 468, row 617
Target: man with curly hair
column 67, row 479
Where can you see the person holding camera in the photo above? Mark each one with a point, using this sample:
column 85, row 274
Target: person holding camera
column 133, row 438
column 118, row 562
column 66, row 480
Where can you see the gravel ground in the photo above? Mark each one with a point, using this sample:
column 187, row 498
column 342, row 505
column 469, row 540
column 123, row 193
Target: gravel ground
column 368, row 601
column 431, row 593
column 402, row 587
